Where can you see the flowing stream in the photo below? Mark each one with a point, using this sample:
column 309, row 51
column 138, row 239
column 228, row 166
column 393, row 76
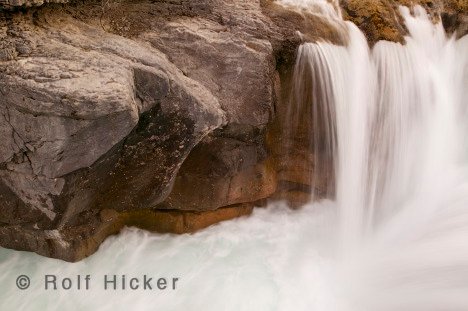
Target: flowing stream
column 394, row 238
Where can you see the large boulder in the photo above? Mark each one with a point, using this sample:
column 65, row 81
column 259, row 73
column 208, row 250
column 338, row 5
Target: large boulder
column 120, row 113
column 89, row 120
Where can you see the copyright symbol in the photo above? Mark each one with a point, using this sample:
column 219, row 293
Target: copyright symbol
column 23, row 282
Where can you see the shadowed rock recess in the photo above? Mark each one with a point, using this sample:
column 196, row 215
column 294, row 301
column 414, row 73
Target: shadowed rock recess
column 165, row 115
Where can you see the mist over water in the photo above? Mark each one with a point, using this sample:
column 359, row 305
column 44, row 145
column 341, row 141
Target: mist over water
column 395, row 121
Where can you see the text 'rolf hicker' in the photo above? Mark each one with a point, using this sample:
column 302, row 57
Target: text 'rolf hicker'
column 109, row 282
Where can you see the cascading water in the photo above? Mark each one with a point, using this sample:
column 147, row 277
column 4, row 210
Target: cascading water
column 392, row 119
column 400, row 157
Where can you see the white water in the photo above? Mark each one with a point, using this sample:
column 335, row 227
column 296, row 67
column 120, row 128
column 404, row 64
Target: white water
column 326, row 8
column 401, row 161
column 396, row 238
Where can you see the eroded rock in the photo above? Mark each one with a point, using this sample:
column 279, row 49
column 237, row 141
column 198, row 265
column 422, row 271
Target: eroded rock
column 91, row 120
column 100, row 113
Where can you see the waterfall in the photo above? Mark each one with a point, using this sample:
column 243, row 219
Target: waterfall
column 394, row 121
column 392, row 117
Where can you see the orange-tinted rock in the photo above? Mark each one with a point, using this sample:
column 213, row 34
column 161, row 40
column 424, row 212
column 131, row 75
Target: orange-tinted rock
column 381, row 19
column 77, row 242
column 223, row 171
column 376, row 18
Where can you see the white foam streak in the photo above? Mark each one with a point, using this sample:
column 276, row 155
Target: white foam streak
column 326, row 8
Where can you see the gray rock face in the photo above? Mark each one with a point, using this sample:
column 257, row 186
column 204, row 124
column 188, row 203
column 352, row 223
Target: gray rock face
column 246, row 61
column 98, row 113
column 63, row 109
column 90, row 120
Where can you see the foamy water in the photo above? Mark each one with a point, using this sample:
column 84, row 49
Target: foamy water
column 272, row 260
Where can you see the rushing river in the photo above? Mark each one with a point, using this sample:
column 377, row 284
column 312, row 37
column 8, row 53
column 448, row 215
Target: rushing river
column 395, row 237
column 269, row 261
